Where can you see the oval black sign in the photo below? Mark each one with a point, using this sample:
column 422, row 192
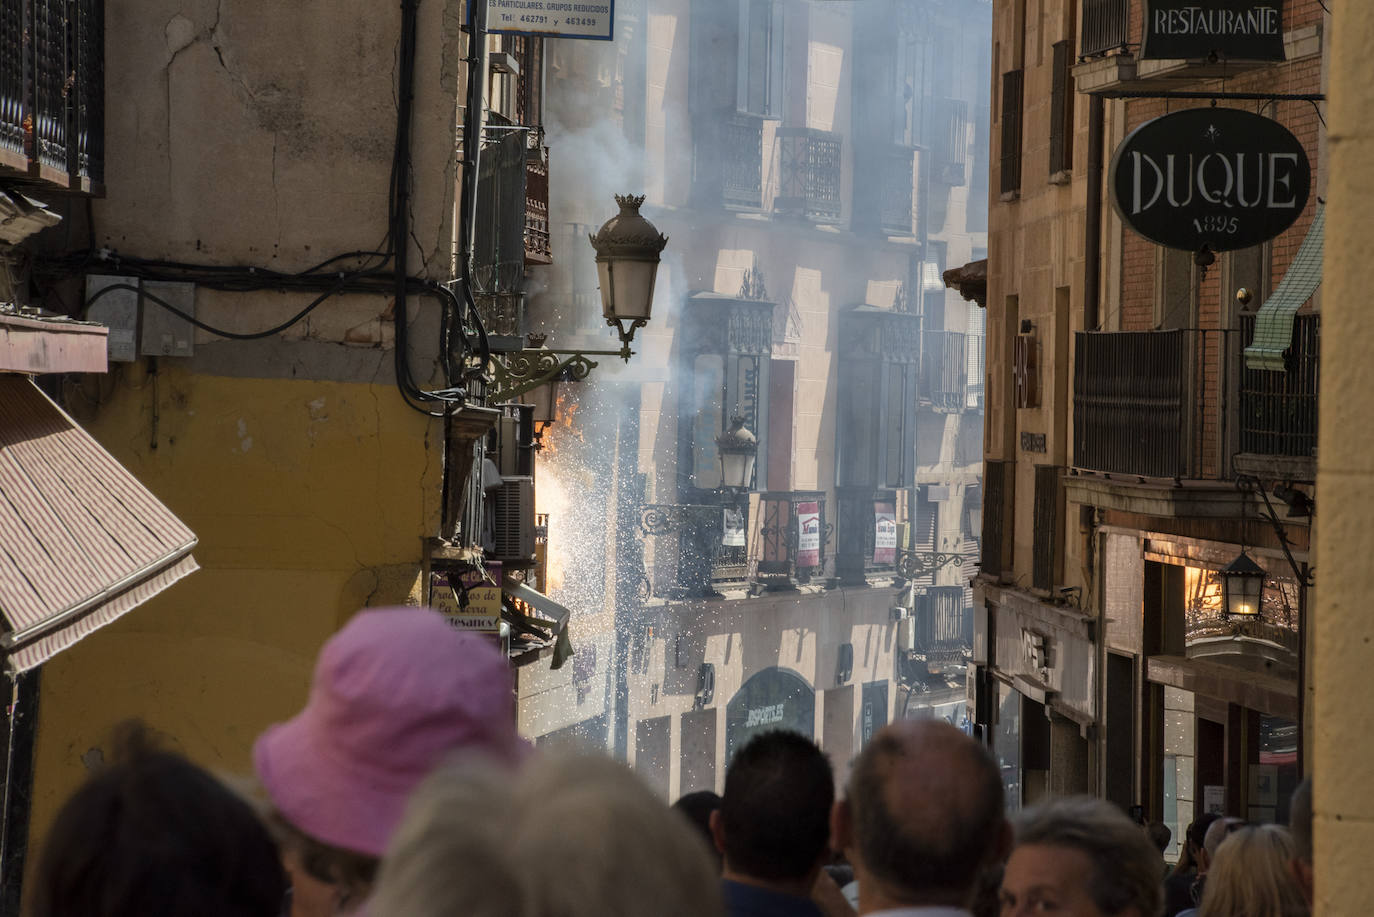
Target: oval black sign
column 1215, row 178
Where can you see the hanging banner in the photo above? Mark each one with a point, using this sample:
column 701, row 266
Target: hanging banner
column 733, row 537
column 482, row 613
column 885, row 534
column 1213, row 178
column 594, row 19
column 808, row 535
column 1230, row 29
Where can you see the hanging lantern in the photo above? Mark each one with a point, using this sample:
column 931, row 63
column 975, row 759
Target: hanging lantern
column 1242, row 583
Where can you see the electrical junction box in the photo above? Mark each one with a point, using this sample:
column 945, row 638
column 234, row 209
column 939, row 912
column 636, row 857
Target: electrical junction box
column 163, row 333
column 153, row 330
column 118, row 311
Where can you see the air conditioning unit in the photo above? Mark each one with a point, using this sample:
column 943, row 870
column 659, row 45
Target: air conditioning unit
column 513, row 520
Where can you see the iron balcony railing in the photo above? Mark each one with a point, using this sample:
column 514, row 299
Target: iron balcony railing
column 794, row 536
column 52, row 91
column 809, row 180
column 1153, row 403
column 727, row 160
column 943, row 629
column 1278, row 410
column 857, row 551
column 944, row 371
column 1105, row 26
column 685, row 565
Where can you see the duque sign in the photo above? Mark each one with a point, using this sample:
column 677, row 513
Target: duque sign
column 1214, row 178
column 1231, row 29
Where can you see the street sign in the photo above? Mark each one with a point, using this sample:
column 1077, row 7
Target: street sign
column 594, row 19
column 1214, row 178
column 1229, row 29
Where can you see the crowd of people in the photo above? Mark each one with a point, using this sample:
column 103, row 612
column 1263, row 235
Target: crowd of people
column 402, row 788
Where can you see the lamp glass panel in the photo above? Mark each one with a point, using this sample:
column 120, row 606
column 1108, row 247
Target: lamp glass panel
column 737, row 468
column 544, row 398
column 1243, row 594
column 631, row 287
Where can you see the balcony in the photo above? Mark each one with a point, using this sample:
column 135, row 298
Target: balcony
column 1105, row 27
column 944, row 371
column 867, row 542
column 885, row 177
column 1146, row 403
column 1278, row 411
column 728, row 161
column 52, row 91
column 538, row 247
column 687, row 549
column 793, row 537
column 943, row 629
column 809, row 183
column 947, row 134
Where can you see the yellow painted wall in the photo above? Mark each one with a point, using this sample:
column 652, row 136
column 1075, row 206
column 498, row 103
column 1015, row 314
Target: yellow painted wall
column 1343, row 805
column 310, row 500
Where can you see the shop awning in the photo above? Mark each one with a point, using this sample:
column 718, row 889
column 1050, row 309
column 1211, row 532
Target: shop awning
column 81, row 540
column 551, row 632
column 1274, row 321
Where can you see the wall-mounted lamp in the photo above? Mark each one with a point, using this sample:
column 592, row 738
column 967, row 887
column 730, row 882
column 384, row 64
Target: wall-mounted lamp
column 738, row 448
column 628, row 248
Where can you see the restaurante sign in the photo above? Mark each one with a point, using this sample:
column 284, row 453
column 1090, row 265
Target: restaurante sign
column 1232, row 29
column 1210, row 178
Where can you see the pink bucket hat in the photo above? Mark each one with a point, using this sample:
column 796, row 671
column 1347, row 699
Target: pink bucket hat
column 394, row 692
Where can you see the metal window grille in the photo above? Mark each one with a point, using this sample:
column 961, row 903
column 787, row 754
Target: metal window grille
column 944, row 371
column 1061, row 108
column 1012, row 86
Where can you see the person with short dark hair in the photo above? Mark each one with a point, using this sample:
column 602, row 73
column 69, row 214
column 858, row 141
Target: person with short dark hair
column 153, row 835
column 922, row 819
column 697, row 808
column 773, row 825
column 1178, row 887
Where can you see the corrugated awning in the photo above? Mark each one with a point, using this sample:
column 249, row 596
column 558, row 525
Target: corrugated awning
column 81, row 540
column 1274, row 321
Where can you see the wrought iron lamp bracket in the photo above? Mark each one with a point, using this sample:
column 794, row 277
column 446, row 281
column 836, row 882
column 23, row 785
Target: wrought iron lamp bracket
column 912, row 564
column 516, row 373
column 626, row 336
column 1248, row 485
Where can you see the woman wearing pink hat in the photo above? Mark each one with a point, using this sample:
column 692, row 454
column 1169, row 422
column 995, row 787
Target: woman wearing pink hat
column 394, row 693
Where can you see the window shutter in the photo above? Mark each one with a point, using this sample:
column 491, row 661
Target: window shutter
column 1061, row 109
column 777, row 60
column 1012, row 83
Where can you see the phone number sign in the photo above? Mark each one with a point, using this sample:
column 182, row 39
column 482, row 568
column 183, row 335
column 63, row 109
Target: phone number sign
column 592, row 19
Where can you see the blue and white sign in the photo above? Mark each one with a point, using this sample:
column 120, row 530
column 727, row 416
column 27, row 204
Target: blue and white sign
column 594, row 19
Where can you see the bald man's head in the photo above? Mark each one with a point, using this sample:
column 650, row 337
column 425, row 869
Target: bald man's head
column 925, row 804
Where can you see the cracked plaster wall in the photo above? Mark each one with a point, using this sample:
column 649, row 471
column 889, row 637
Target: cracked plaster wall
column 261, row 132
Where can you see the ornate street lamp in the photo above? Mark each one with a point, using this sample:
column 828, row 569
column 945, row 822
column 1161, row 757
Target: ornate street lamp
column 738, row 450
column 1242, row 583
column 627, row 255
column 628, row 248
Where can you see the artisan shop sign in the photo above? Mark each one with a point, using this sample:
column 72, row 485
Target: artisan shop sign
column 1210, row 178
column 1230, row 29
column 554, row 18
